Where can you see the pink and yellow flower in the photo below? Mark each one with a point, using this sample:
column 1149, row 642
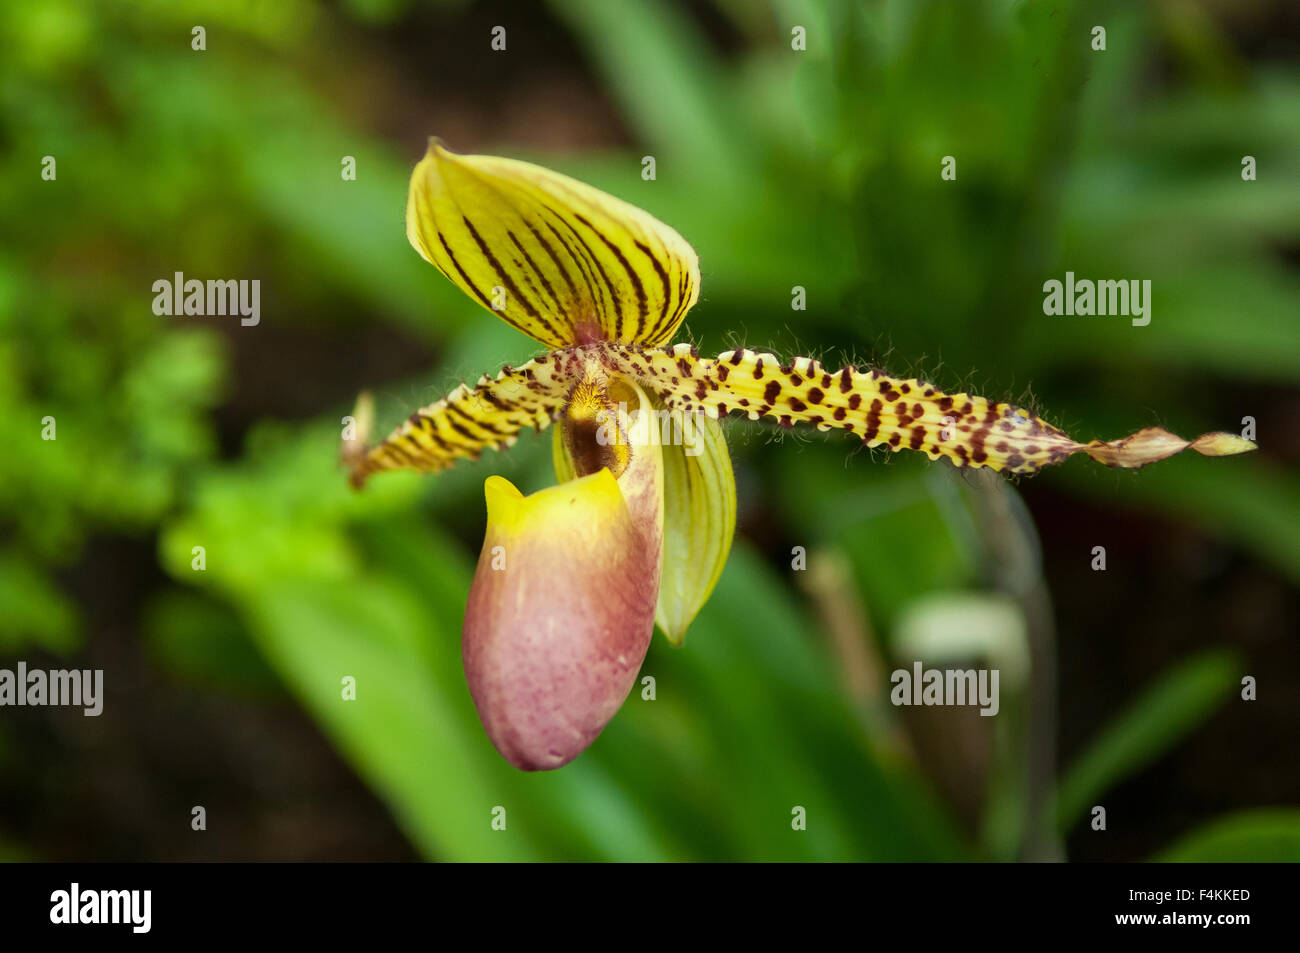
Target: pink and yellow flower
column 572, row 580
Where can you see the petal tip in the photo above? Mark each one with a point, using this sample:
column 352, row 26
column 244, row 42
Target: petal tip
column 503, row 499
column 357, row 442
column 437, row 151
column 676, row 635
column 1222, row 444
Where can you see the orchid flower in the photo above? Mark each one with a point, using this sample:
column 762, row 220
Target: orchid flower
column 572, row 579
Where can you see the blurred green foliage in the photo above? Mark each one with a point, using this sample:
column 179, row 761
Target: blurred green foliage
column 818, row 169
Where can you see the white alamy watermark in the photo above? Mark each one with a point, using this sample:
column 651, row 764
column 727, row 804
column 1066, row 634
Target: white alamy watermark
column 648, row 428
column 211, row 298
column 946, row 687
column 1085, row 297
column 74, row 905
column 80, row 688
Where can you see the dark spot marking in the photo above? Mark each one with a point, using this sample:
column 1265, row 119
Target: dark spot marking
column 873, row 419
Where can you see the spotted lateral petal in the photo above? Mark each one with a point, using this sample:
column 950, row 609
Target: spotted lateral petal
column 886, row 411
column 559, row 260
column 467, row 420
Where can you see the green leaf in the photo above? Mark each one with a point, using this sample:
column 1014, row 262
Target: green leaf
column 35, row 611
column 682, row 111
column 1265, row 835
column 1167, row 712
column 401, row 731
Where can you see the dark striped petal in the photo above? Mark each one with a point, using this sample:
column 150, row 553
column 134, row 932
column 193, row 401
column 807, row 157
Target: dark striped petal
column 557, row 259
column 465, row 422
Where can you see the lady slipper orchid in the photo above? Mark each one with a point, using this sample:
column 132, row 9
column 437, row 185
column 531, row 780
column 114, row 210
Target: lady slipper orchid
column 572, row 580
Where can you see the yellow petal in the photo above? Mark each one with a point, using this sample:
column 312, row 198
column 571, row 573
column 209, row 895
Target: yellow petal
column 557, row 259
column 699, row 519
column 466, row 421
